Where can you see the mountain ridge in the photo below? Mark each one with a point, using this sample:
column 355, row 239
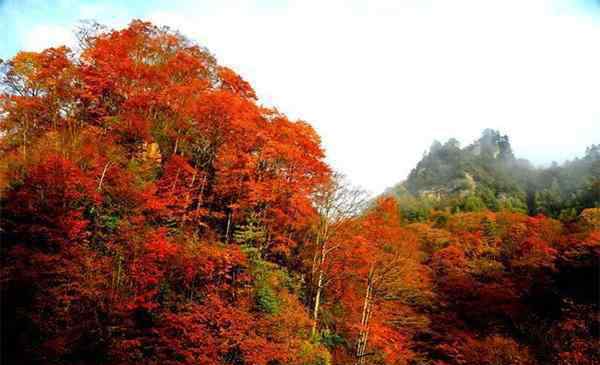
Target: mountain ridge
column 486, row 174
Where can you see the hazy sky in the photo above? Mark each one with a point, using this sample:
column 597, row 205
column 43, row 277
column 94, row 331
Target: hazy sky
column 381, row 79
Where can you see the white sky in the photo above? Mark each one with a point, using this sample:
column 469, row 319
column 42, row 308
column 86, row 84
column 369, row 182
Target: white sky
column 380, row 81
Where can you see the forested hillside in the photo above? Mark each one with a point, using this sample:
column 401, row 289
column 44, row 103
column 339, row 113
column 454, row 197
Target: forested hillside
column 487, row 175
column 153, row 212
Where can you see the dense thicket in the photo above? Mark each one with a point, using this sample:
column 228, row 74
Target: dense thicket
column 128, row 166
column 154, row 213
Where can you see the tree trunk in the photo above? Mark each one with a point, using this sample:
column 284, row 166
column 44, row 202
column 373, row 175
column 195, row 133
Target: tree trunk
column 319, row 288
column 363, row 336
column 103, row 175
column 228, row 227
column 320, row 259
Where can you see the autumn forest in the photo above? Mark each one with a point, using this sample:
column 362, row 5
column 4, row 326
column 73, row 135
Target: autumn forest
column 154, row 212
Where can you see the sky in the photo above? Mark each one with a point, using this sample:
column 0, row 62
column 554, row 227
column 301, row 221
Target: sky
column 381, row 79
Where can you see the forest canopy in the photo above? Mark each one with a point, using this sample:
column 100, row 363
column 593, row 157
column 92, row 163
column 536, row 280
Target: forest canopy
column 153, row 212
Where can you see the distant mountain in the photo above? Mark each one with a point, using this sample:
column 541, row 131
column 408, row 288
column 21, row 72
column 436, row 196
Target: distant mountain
column 487, row 175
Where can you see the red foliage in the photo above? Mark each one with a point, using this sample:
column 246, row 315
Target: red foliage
column 128, row 164
column 153, row 212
